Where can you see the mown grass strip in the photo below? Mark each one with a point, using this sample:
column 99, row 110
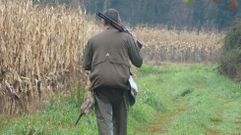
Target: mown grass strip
column 173, row 99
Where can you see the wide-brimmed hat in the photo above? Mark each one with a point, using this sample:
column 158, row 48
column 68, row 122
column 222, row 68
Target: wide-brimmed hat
column 113, row 14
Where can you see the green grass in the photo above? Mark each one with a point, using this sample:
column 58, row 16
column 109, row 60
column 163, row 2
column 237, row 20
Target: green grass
column 173, row 100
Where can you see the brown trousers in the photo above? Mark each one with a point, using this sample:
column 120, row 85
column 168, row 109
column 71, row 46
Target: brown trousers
column 111, row 108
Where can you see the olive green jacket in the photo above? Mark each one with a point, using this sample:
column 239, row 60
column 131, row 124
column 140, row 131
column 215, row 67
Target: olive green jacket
column 107, row 56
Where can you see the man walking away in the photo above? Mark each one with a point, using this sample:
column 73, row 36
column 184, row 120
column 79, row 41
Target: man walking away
column 107, row 56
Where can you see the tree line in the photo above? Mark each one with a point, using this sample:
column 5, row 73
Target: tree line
column 198, row 14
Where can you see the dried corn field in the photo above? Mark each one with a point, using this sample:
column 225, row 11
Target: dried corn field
column 168, row 46
column 41, row 51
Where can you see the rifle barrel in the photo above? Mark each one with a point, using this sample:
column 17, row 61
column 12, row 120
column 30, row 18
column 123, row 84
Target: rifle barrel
column 112, row 22
column 117, row 25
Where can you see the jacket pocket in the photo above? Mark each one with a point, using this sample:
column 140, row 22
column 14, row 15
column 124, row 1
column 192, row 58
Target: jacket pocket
column 108, row 74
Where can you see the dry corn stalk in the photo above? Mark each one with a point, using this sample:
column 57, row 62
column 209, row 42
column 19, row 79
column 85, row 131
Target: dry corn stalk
column 162, row 45
column 40, row 53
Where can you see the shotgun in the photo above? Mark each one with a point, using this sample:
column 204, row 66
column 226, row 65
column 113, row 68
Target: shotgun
column 117, row 26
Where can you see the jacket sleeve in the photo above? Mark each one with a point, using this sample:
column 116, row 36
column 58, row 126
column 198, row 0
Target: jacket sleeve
column 134, row 53
column 87, row 58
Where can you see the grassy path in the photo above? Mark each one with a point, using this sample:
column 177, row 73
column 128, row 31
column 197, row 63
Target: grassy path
column 193, row 100
column 173, row 100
